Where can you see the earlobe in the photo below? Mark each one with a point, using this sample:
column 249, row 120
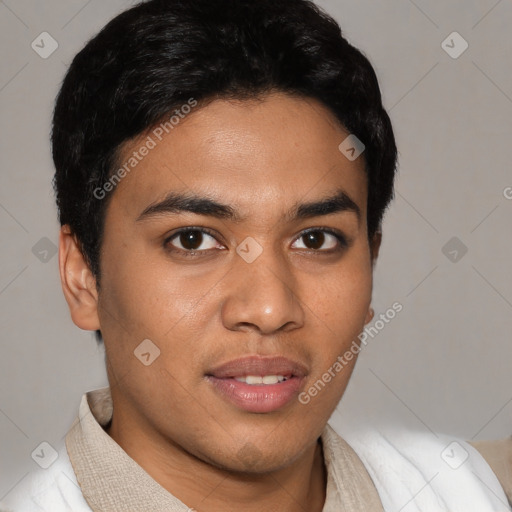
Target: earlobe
column 369, row 316
column 78, row 282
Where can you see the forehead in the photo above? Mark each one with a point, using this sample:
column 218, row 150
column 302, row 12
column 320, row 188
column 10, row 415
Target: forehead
column 259, row 155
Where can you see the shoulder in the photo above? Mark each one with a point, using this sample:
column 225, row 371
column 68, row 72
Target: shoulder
column 498, row 455
column 448, row 470
column 54, row 489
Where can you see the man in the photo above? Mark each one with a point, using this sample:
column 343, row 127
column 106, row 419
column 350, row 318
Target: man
column 222, row 171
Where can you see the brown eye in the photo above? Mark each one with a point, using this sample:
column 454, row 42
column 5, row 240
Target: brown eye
column 322, row 240
column 314, row 239
column 190, row 240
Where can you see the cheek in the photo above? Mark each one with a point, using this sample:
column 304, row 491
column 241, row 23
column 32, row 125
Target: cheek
column 342, row 308
column 344, row 296
column 339, row 306
column 147, row 296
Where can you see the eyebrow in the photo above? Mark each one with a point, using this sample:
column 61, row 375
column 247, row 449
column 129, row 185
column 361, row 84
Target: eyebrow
column 175, row 203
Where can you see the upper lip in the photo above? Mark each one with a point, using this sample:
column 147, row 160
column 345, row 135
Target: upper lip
column 258, row 365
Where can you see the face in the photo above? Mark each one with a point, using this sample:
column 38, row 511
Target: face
column 263, row 278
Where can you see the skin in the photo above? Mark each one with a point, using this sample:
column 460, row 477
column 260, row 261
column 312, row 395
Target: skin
column 304, row 301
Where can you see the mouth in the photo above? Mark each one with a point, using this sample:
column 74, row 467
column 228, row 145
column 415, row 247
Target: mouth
column 258, row 384
column 253, row 380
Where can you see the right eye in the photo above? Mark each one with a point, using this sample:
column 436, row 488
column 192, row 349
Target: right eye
column 190, row 241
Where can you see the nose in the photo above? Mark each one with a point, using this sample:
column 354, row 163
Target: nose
column 262, row 296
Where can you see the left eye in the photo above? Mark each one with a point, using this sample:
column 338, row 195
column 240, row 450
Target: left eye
column 315, row 239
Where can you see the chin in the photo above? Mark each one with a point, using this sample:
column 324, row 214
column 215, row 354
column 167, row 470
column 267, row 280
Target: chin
column 253, row 458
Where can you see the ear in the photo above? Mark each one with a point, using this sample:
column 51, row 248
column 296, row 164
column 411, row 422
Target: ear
column 375, row 246
column 374, row 253
column 78, row 282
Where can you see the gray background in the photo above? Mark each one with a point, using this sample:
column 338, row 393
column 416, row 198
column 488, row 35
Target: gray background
column 442, row 364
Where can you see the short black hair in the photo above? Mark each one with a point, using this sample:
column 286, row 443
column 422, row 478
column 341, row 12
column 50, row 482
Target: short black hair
column 156, row 56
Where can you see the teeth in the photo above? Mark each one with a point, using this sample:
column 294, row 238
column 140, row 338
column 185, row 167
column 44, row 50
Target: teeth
column 256, row 379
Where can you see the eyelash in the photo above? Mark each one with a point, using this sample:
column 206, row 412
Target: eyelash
column 343, row 243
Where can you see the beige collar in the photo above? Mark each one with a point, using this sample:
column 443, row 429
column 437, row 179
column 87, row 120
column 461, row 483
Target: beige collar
column 111, row 481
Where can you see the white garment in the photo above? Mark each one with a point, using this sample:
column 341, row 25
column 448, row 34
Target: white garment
column 421, row 472
column 400, row 467
column 48, row 490
column 407, row 469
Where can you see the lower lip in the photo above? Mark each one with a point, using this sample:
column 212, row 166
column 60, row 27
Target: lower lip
column 257, row 397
